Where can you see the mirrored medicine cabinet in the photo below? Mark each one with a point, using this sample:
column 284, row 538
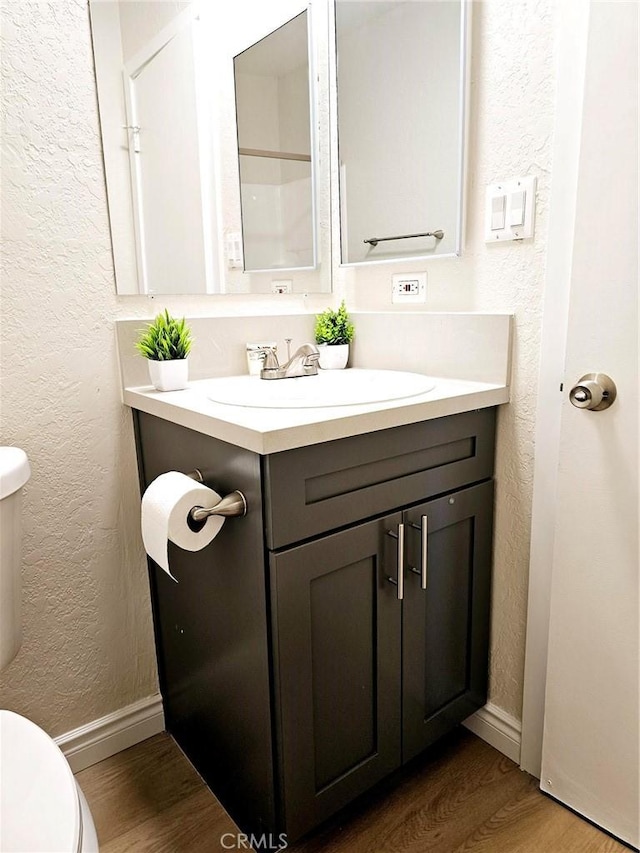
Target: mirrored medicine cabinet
column 226, row 132
column 401, row 98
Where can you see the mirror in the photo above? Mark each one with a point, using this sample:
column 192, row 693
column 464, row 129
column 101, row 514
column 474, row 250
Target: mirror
column 218, row 160
column 189, row 213
column 401, row 80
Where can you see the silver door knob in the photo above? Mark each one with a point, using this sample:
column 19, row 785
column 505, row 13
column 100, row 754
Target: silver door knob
column 593, row 391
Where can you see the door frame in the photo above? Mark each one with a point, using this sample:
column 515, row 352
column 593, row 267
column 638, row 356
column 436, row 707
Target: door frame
column 573, row 30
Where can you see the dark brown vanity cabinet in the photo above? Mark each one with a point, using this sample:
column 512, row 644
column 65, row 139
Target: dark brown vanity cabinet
column 324, row 681
column 366, row 681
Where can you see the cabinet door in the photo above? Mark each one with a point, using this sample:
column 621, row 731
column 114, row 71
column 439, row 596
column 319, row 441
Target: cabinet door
column 445, row 628
column 336, row 635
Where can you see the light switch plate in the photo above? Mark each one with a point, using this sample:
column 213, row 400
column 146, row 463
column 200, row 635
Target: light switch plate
column 515, row 192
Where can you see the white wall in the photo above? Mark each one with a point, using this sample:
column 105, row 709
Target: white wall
column 88, row 647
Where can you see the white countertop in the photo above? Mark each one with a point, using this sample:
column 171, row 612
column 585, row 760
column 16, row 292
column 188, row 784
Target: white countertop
column 272, row 430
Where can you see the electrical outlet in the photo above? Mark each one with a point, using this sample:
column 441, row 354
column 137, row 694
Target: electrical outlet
column 284, row 285
column 409, row 287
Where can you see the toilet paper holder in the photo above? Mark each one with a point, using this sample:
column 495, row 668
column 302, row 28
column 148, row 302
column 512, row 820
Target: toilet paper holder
column 232, row 505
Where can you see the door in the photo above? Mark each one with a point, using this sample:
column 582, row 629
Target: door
column 336, row 628
column 166, row 166
column 590, row 744
column 445, row 631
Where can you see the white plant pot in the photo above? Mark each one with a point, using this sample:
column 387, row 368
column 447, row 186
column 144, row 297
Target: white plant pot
column 169, row 375
column 333, row 356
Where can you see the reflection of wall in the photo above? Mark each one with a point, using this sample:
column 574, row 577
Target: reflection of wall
column 276, row 219
column 277, row 211
column 293, row 100
column 141, row 20
column 257, row 101
column 297, row 216
column 261, row 224
column 397, row 118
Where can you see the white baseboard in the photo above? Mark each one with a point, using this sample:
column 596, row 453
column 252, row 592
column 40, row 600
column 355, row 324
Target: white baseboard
column 102, row 738
column 497, row 728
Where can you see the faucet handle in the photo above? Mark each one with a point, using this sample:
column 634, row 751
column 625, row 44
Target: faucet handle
column 310, row 361
column 271, row 359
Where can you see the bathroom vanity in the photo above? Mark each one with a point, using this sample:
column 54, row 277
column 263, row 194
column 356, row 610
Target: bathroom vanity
column 301, row 659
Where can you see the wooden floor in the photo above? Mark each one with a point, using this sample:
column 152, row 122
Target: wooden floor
column 465, row 796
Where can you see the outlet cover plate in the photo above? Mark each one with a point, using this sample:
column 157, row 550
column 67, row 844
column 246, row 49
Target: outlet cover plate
column 409, row 287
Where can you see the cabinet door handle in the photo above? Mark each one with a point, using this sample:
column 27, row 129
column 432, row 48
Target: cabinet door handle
column 423, row 542
column 399, row 581
column 423, row 527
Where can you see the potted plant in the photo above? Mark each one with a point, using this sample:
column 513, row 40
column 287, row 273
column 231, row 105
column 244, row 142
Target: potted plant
column 166, row 343
column 334, row 332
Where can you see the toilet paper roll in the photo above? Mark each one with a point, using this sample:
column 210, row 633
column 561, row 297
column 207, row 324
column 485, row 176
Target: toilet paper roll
column 165, row 509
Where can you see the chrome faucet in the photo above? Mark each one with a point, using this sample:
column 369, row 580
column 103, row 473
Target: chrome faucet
column 304, row 362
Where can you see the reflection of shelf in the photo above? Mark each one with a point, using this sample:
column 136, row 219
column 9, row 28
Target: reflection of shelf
column 274, row 155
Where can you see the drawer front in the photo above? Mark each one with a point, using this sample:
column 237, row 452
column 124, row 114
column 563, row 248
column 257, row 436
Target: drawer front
column 311, row 490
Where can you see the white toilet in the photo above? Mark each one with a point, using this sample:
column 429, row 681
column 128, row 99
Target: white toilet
column 41, row 806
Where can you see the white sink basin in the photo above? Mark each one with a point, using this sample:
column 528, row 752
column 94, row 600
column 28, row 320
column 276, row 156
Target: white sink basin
column 350, row 387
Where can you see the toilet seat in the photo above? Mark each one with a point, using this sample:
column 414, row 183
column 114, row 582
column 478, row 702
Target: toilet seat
column 14, row 470
column 39, row 800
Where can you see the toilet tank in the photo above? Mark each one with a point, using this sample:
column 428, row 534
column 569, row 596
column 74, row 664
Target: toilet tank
column 14, row 473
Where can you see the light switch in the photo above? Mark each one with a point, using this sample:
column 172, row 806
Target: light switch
column 516, row 215
column 510, row 210
column 498, row 207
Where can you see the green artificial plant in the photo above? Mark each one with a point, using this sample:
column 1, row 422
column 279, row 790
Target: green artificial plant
column 334, row 327
column 165, row 339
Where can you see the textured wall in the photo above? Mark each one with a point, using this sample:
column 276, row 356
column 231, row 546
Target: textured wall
column 513, row 101
column 88, row 646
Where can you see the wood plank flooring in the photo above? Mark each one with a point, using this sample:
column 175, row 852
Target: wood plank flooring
column 464, row 796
